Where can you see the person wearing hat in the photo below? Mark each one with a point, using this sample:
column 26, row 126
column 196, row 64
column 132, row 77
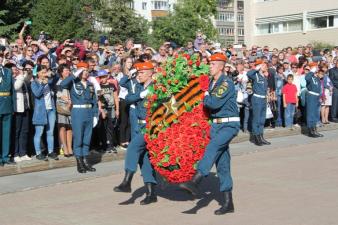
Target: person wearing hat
column 109, row 112
column 314, row 90
column 220, row 99
column 259, row 79
column 83, row 113
column 7, row 102
column 137, row 151
column 130, row 82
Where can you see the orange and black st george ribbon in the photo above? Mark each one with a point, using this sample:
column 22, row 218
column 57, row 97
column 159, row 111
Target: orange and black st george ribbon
column 171, row 110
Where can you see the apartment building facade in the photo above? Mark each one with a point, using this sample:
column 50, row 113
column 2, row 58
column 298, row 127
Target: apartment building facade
column 229, row 21
column 281, row 23
column 152, row 9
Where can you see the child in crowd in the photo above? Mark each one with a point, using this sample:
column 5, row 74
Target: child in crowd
column 109, row 112
column 290, row 101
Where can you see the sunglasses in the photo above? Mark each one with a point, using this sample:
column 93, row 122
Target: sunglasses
column 75, row 59
column 233, row 55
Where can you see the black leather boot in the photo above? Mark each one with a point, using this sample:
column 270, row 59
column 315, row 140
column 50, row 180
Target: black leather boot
column 150, row 194
column 264, row 142
column 87, row 165
column 192, row 185
column 318, row 134
column 312, row 133
column 80, row 166
column 257, row 140
column 125, row 186
column 228, row 205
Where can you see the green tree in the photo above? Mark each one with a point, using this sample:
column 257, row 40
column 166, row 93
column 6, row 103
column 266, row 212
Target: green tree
column 63, row 19
column 12, row 15
column 181, row 25
column 120, row 22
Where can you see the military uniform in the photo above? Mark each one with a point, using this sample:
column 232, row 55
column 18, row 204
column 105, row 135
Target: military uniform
column 137, row 152
column 314, row 91
column 133, row 86
column 84, row 109
column 6, row 111
column 258, row 102
column 220, row 99
column 225, row 126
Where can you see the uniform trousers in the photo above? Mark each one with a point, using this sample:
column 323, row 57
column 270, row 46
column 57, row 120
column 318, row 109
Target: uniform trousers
column 258, row 115
column 312, row 112
column 217, row 152
column 138, row 154
column 82, row 126
column 5, row 124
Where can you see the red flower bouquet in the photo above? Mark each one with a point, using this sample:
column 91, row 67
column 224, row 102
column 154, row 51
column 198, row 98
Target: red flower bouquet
column 177, row 130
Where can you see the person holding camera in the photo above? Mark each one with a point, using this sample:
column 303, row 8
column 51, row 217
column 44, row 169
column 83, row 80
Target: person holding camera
column 44, row 115
column 22, row 107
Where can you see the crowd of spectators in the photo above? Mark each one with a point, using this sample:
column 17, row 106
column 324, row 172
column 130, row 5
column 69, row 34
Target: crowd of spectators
column 42, row 107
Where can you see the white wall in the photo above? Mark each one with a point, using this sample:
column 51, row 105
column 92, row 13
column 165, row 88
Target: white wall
column 254, row 9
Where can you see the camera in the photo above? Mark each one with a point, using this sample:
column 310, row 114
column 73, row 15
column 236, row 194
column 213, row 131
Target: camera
column 133, row 73
column 42, row 36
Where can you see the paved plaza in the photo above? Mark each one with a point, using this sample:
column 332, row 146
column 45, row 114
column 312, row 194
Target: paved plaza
column 292, row 182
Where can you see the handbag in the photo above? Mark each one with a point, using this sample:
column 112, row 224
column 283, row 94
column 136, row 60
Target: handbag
column 269, row 113
column 63, row 107
column 240, row 96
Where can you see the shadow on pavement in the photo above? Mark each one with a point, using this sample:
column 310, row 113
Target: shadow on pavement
column 209, row 191
column 94, row 157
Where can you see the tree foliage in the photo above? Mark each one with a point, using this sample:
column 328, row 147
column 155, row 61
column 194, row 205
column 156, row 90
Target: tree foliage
column 121, row 22
column 12, row 15
column 189, row 16
column 62, row 19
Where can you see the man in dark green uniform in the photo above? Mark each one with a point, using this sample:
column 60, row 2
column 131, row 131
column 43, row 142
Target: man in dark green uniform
column 6, row 111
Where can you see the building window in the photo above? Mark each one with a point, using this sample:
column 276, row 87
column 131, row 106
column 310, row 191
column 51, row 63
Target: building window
column 160, row 5
column 296, row 25
column 240, row 17
column 131, row 5
column 226, row 31
column 322, row 22
column 225, row 4
column 144, row 5
column 240, row 32
column 280, row 27
column 240, row 5
column 226, row 17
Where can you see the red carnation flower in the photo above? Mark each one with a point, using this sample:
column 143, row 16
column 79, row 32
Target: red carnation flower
column 198, row 63
column 204, row 82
